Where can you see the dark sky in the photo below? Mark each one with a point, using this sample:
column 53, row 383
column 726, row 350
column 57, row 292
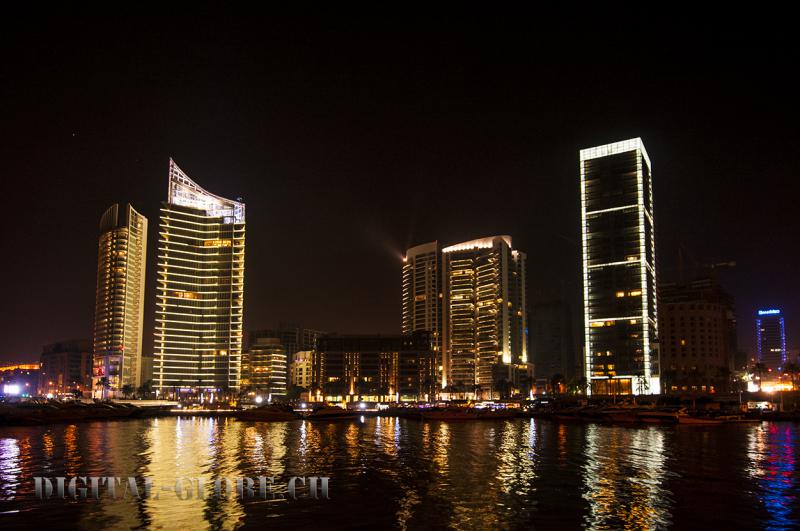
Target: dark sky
column 352, row 138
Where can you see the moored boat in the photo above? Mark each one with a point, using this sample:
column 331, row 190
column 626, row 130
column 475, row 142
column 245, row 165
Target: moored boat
column 497, row 414
column 685, row 418
column 450, row 413
column 657, row 416
column 268, row 413
column 619, row 416
column 331, row 413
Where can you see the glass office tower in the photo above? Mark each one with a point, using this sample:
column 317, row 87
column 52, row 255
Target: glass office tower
column 771, row 338
column 119, row 302
column 200, row 291
column 619, row 269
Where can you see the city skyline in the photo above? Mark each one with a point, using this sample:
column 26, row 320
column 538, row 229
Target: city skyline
column 353, row 152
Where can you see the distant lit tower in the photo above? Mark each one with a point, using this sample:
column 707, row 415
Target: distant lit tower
column 771, row 338
column 119, row 301
column 484, row 332
column 200, row 291
column 422, row 294
column 619, row 269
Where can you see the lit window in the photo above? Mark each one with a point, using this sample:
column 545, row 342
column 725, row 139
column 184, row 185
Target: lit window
column 217, row 243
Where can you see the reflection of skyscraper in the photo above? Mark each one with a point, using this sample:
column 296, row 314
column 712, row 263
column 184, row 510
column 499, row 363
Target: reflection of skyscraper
column 771, row 338
column 485, row 321
column 119, row 307
column 200, row 292
column 619, row 269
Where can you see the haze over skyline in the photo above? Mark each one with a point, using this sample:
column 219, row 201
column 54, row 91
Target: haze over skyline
column 351, row 142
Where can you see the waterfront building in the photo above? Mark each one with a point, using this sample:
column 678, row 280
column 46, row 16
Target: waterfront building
column 422, row 294
column 66, row 367
column 619, row 269
column 300, row 369
column 484, row 332
column 771, row 338
column 19, row 379
column 374, row 368
column 264, row 368
column 293, row 337
column 200, row 290
column 119, row 301
column 697, row 328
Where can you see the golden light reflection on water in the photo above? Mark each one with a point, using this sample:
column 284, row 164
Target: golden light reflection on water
column 624, row 478
column 192, row 448
column 72, row 456
column 393, row 472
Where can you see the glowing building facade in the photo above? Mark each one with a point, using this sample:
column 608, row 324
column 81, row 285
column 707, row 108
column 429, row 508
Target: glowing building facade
column 422, row 294
column 264, row 368
column 119, row 301
column 200, row 290
column 484, row 332
column 619, row 269
column 771, row 338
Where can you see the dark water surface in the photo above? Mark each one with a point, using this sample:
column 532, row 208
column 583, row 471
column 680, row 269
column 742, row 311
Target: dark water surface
column 388, row 472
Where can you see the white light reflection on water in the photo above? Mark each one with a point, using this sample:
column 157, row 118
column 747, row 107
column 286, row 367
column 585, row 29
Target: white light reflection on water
column 9, row 468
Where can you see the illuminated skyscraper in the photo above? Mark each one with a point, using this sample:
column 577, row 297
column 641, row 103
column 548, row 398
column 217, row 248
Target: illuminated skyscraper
column 771, row 338
column 484, row 333
column 422, row 294
column 619, row 269
column 119, row 302
column 200, row 291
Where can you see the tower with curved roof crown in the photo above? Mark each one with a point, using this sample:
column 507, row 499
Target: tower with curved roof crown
column 200, row 292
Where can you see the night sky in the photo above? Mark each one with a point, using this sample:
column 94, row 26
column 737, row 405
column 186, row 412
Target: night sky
column 351, row 139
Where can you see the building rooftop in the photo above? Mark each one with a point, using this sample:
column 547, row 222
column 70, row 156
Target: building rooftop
column 183, row 191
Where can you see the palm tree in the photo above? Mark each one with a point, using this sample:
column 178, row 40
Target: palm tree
column 145, row 389
column 759, row 369
column 724, row 375
column 127, row 390
column 504, row 388
column 104, row 385
column 555, row 383
column 642, row 384
column 578, row 386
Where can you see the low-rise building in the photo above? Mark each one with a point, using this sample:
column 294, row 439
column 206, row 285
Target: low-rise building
column 20, row 379
column 264, row 368
column 66, row 367
column 697, row 337
column 300, row 373
column 374, row 368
